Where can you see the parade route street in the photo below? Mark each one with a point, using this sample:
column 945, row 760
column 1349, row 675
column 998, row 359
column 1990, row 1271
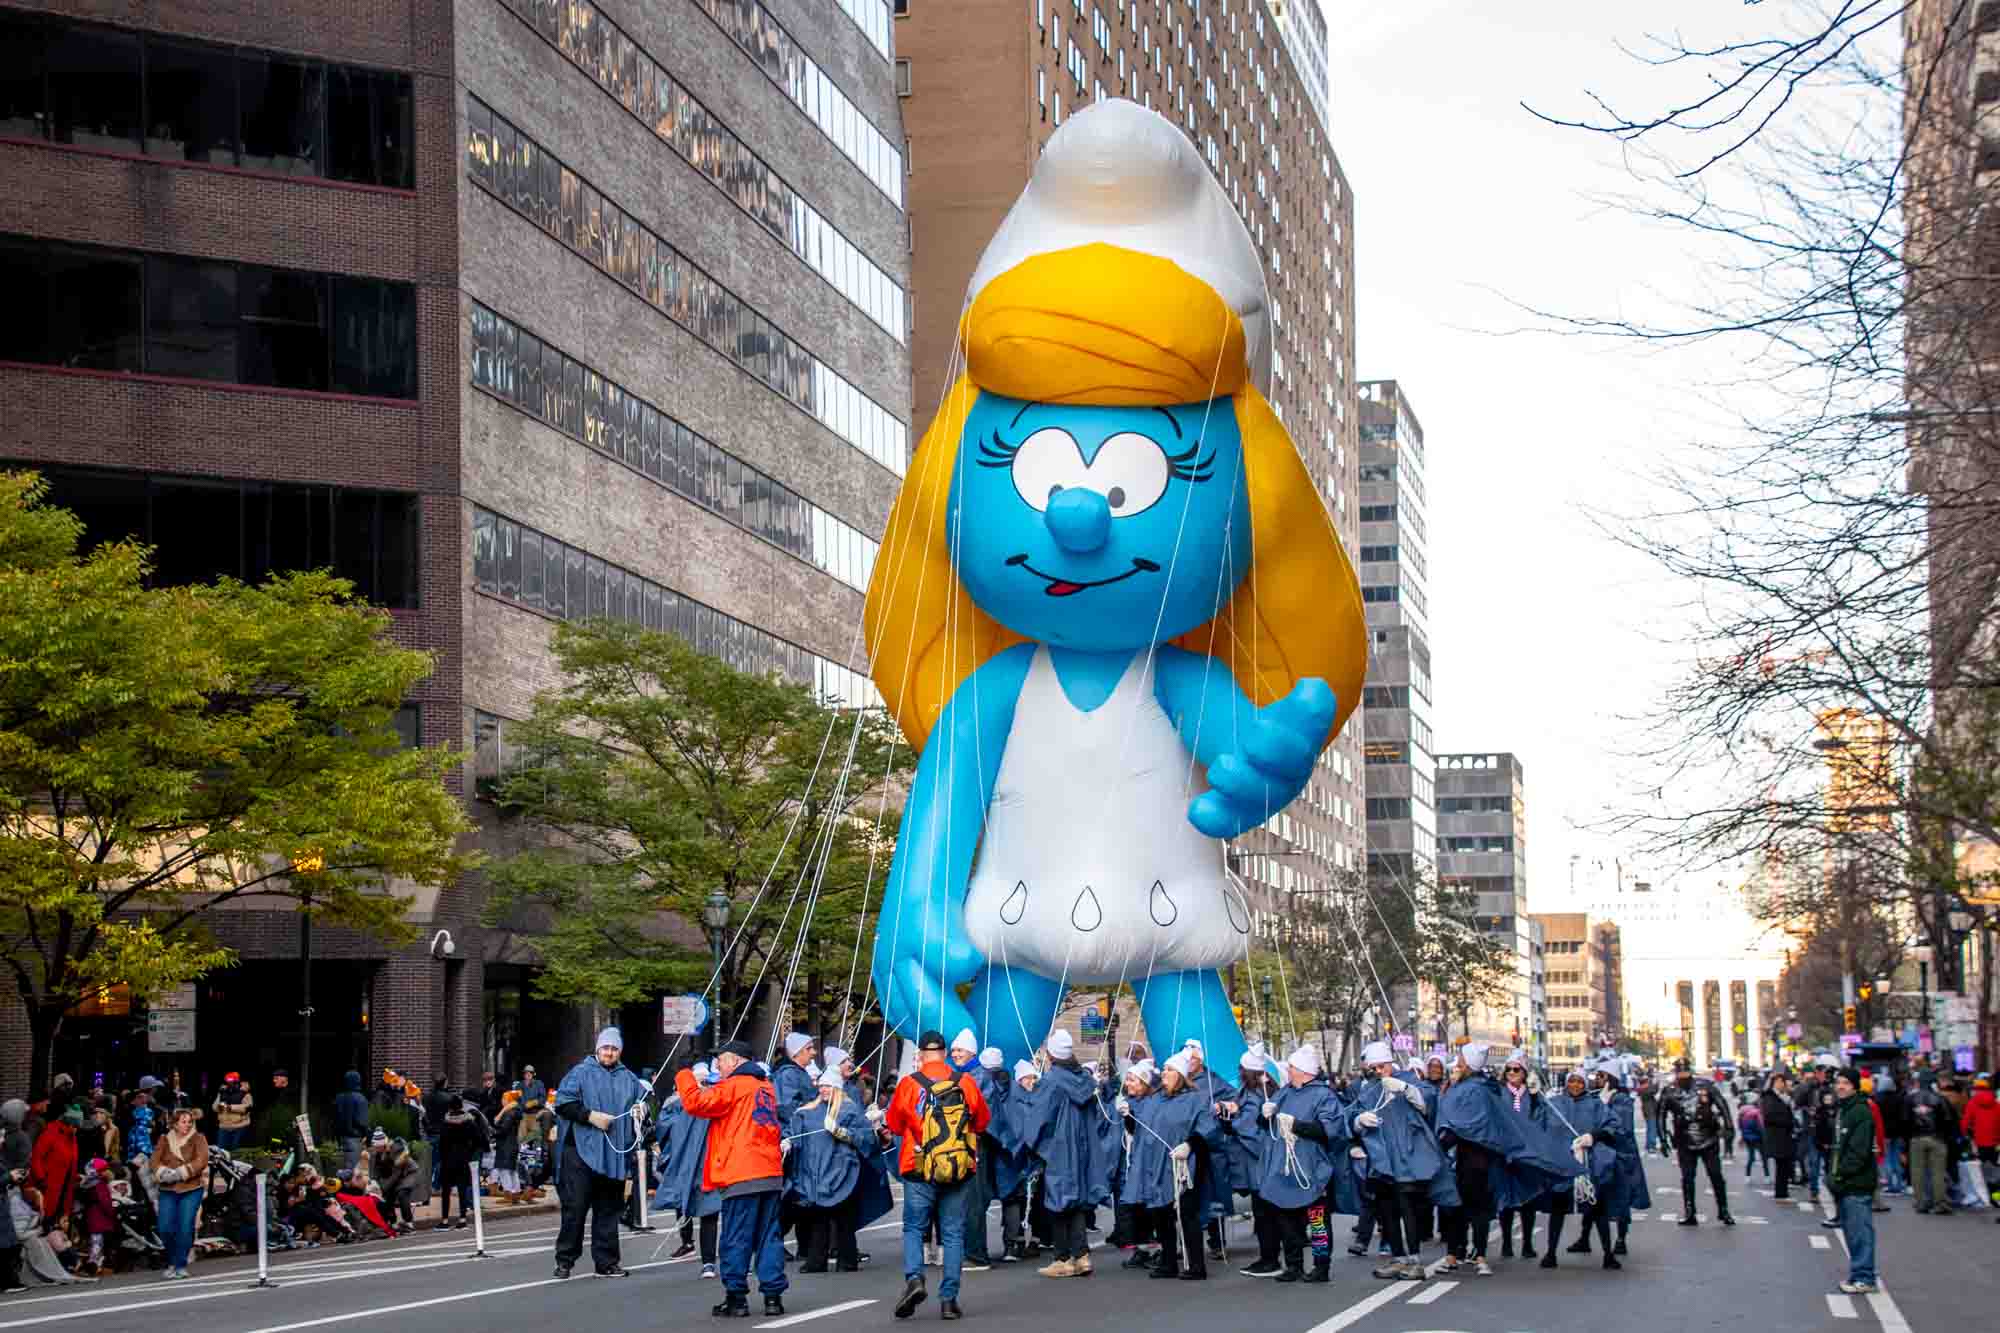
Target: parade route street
column 1777, row 1271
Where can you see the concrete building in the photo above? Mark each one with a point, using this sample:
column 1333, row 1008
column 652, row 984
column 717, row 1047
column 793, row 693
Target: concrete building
column 1538, row 985
column 1482, row 837
column 988, row 81
column 1398, row 748
column 1583, row 985
column 512, row 310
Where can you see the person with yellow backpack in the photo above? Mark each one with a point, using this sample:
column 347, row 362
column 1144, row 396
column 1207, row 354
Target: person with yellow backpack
column 939, row 1115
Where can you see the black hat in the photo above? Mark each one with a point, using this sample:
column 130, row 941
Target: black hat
column 931, row 1040
column 1683, row 1067
column 742, row 1050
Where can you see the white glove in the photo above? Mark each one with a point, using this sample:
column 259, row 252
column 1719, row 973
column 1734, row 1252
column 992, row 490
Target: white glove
column 784, row 1147
column 1270, row 1109
column 1413, row 1095
column 840, row 1135
column 1285, row 1122
column 672, row 1101
column 1358, row 1154
column 874, row 1115
column 1581, row 1141
column 1393, row 1085
column 1368, row 1120
column 601, row 1119
column 170, row 1175
column 1180, row 1152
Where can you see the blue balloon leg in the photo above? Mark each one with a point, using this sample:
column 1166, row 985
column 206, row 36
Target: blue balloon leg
column 1180, row 1005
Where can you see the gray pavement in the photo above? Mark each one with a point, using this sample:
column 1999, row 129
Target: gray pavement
column 1776, row 1272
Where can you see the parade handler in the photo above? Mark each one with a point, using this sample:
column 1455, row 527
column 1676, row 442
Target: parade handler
column 590, row 1169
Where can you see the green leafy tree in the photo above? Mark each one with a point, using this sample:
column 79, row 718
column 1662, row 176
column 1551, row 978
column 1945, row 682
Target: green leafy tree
column 655, row 776
column 166, row 751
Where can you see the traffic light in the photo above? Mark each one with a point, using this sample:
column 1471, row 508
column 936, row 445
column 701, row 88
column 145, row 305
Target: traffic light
column 1847, row 1016
column 1864, row 991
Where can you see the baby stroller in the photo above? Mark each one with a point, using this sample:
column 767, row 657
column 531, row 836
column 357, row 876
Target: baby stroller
column 231, row 1211
column 136, row 1243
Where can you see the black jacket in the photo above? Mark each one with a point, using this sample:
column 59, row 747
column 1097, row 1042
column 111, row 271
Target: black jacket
column 464, row 1138
column 438, row 1103
column 1780, row 1126
column 1690, row 1125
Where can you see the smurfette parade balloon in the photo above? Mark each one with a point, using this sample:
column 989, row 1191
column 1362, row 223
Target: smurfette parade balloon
column 1109, row 609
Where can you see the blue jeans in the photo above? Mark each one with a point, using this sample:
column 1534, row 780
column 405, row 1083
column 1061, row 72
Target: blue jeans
column 923, row 1201
column 177, row 1212
column 1893, row 1181
column 1652, row 1133
column 751, row 1229
column 1857, row 1225
column 1751, row 1151
column 229, row 1140
column 1812, row 1159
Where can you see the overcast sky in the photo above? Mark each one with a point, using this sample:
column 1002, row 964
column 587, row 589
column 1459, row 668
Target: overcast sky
column 1545, row 634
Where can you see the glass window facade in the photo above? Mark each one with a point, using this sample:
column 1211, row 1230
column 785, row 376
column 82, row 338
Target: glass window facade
column 99, row 309
column 167, row 97
column 596, row 588
column 513, row 364
column 628, row 73
column 204, row 528
column 527, row 178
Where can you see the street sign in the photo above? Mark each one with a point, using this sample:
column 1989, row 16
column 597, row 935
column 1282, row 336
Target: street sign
column 170, row 1020
column 1961, row 1059
column 1092, row 1023
column 683, row 1015
column 1881, row 1034
column 1403, row 1041
column 1795, row 1030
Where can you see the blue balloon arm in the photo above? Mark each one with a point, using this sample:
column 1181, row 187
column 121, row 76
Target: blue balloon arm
column 921, row 950
column 1258, row 759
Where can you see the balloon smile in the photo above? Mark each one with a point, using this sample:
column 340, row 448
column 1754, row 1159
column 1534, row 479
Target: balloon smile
column 1069, row 588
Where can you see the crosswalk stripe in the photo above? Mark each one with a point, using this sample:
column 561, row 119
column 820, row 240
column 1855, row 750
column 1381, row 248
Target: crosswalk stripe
column 1431, row 1293
column 1842, row 1306
column 1820, row 1242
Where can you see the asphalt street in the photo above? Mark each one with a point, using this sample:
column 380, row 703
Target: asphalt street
column 1777, row 1271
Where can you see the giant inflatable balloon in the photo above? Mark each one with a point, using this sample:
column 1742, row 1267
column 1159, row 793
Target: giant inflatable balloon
column 1110, row 610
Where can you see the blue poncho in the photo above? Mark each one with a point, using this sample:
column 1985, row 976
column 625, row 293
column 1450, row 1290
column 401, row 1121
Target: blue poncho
column 1627, row 1189
column 612, row 1091
column 684, row 1138
column 1529, row 1161
column 794, row 1087
column 1303, row 1179
column 1404, row 1147
column 1568, row 1117
column 820, row 1170
column 1243, row 1140
column 1068, row 1134
column 1160, row 1122
column 1012, row 1132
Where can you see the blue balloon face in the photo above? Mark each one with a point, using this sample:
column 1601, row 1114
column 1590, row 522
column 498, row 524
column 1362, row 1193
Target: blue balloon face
column 1100, row 528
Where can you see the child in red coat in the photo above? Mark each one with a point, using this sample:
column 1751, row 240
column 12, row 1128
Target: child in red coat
column 100, row 1217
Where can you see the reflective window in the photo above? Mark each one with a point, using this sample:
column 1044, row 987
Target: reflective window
column 696, row 301
column 192, row 320
column 283, row 114
column 190, row 102
column 93, row 87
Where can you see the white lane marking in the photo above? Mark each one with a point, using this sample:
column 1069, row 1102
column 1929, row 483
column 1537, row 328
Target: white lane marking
column 791, row 1319
column 1808, row 1206
column 1886, row 1311
column 1352, row 1315
column 1755, row 1221
column 1819, row 1242
column 1431, row 1293
column 1842, row 1306
column 441, row 1300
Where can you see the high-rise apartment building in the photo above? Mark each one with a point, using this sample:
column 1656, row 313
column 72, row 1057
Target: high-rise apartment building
column 988, row 81
column 512, row 311
column 1482, row 839
column 1394, row 568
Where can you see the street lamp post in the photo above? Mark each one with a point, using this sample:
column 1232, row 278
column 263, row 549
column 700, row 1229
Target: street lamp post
column 715, row 916
column 304, row 866
column 1922, row 953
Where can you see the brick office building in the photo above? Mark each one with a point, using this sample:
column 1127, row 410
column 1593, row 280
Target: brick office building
column 988, row 81
column 510, row 310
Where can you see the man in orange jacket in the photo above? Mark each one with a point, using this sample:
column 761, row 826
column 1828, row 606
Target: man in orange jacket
column 746, row 1163
column 922, row 1200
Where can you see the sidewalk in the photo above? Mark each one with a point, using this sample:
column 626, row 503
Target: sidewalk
column 1926, row 1260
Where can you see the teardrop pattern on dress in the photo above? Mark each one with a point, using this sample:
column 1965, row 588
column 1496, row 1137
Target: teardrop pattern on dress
column 1086, row 914
column 1239, row 910
column 1165, row 911
column 1016, row 904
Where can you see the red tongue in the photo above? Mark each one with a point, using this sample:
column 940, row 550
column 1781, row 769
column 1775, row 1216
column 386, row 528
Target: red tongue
column 1061, row 589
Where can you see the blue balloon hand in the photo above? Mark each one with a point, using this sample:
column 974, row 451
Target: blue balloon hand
column 1270, row 765
column 921, row 956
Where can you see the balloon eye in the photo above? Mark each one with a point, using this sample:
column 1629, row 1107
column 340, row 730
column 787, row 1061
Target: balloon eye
column 1117, row 497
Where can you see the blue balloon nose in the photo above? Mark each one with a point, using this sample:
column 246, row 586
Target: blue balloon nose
column 1079, row 519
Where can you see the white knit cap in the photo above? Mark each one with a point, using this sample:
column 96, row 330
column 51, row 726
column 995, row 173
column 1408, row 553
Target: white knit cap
column 835, row 1057
column 1377, row 1053
column 812, row 1069
column 830, row 1078
column 990, row 1058
column 1474, row 1054
column 1025, row 1069
column 1142, row 1070
column 1306, row 1060
column 796, row 1042
column 1178, row 1062
column 1255, row 1058
column 1195, row 1047
column 1061, row 1044
column 966, row 1040
column 1122, row 175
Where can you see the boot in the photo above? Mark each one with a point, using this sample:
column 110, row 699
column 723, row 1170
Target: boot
column 1726, row 1219
column 773, row 1305
column 1582, row 1245
column 1165, row 1269
column 1549, row 1259
column 1687, row 1216
column 950, row 1310
column 1321, row 1272
column 732, row 1307
column 1507, row 1244
column 1611, row 1261
column 913, row 1296
column 1292, row 1275
column 1141, row 1257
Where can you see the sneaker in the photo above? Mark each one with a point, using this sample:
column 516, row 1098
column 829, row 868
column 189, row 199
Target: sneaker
column 1141, row 1257
column 1944, row 1210
column 975, row 1266
column 708, row 1270
column 1261, row 1269
column 1858, row 1288
column 1389, row 1272
column 1831, row 1224
column 1060, row 1268
column 687, row 1248
column 562, row 1270
column 1481, row 1268
column 1449, row 1264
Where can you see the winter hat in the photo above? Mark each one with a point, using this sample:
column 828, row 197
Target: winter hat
column 990, row 1058
column 610, row 1037
column 13, row 1112
column 835, row 1057
column 966, row 1040
column 1377, row 1053
column 813, row 1070
column 1306, row 1060
column 794, row 1043
column 73, row 1117
column 1143, row 1071
column 1474, row 1054
column 1194, row 1048
column 1180, row 1064
column 380, row 1138
column 1061, row 1044
column 1255, row 1059
column 740, row 1049
column 147, row 1083
column 1025, row 1069
column 99, row 1165
column 829, row 1078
